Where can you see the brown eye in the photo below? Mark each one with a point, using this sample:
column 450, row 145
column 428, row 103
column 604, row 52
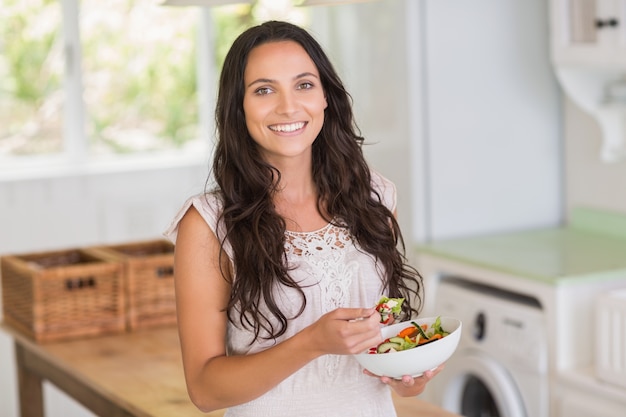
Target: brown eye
column 262, row 91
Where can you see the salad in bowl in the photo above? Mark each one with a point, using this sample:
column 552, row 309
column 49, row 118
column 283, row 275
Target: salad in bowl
column 412, row 347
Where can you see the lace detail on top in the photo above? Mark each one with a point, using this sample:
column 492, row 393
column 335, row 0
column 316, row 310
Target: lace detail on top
column 323, row 254
column 324, row 257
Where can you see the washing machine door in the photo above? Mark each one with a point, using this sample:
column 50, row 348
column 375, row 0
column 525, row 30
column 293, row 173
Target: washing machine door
column 474, row 385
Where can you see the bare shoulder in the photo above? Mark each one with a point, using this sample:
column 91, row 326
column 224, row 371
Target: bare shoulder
column 192, row 223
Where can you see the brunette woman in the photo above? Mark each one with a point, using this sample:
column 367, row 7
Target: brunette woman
column 279, row 264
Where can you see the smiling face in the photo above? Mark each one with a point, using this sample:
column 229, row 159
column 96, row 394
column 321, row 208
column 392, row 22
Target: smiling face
column 283, row 101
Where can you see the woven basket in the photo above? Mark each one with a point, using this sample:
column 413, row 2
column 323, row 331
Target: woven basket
column 58, row 295
column 149, row 277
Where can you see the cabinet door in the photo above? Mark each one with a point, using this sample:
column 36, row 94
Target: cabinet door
column 589, row 32
column 577, row 404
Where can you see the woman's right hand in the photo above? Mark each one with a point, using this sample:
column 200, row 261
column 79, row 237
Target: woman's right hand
column 345, row 331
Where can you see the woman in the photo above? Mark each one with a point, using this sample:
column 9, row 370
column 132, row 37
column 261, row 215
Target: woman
column 278, row 268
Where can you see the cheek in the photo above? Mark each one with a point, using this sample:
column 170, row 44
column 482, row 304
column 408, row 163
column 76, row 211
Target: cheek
column 247, row 107
column 316, row 106
column 254, row 130
column 255, row 111
column 253, row 115
column 323, row 106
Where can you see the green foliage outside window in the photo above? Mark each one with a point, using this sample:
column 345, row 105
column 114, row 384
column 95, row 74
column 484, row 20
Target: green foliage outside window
column 139, row 75
column 31, row 70
column 139, row 72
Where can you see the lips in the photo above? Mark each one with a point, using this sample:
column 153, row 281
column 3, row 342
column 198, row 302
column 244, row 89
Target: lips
column 287, row 127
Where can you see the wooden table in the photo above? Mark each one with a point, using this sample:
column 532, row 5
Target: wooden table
column 136, row 374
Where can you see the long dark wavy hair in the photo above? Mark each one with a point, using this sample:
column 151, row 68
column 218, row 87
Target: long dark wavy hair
column 246, row 183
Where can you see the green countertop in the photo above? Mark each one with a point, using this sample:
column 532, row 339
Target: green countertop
column 591, row 247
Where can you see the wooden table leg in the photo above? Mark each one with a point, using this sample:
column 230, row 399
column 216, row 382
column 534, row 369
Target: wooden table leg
column 29, row 386
column 33, row 368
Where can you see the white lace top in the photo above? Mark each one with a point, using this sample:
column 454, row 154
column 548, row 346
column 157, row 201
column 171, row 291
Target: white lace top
column 333, row 273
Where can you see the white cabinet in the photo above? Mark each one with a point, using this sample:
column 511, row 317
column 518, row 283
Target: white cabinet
column 588, row 47
column 575, row 404
column 578, row 394
column 589, row 33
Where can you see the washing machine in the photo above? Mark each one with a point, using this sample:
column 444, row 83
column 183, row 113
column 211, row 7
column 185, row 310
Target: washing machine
column 500, row 368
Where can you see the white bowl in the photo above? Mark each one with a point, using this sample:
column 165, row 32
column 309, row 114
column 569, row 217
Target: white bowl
column 414, row 361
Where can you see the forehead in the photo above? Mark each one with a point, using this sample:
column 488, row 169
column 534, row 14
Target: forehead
column 272, row 59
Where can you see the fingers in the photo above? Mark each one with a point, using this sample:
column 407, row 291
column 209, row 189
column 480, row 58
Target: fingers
column 360, row 335
column 353, row 314
column 346, row 331
column 435, row 371
column 408, row 381
column 407, row 385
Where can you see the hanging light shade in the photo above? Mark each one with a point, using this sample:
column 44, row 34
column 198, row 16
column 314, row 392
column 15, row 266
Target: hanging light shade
column 206, row 3
column 329, row 2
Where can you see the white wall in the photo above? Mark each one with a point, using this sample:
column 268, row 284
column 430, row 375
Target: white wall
column 590, row 182
column 493, row 127
column 78, row 209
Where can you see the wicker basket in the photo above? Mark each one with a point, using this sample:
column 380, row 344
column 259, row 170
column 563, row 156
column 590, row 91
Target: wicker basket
column 149, row 277
column 51, row 296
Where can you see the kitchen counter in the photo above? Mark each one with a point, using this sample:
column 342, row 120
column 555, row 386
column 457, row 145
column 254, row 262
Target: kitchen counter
column 137, row 374
column 592, row 247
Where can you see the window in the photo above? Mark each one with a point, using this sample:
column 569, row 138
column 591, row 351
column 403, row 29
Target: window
column 139, row 79
column 31, row 77
column 88, row 80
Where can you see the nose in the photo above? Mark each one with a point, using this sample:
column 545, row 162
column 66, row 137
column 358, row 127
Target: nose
column 287, row 103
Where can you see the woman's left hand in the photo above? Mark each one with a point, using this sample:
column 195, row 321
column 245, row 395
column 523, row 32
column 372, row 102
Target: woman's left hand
column 408, row 386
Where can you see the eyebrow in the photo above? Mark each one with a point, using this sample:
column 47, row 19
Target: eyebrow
column 270, row 81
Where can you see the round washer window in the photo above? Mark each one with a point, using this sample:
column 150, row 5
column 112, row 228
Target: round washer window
column 477, row 401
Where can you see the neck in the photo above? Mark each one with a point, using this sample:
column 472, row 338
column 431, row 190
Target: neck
column 296, row 181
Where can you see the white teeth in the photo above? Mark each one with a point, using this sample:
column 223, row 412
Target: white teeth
column 287, row 128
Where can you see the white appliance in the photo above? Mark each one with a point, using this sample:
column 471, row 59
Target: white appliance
column 500, row 368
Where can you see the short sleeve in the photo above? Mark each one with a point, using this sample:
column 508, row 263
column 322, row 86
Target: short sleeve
column 386, row 189
column 210, row 207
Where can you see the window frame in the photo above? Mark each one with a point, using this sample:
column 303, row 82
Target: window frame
column 74, row 158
